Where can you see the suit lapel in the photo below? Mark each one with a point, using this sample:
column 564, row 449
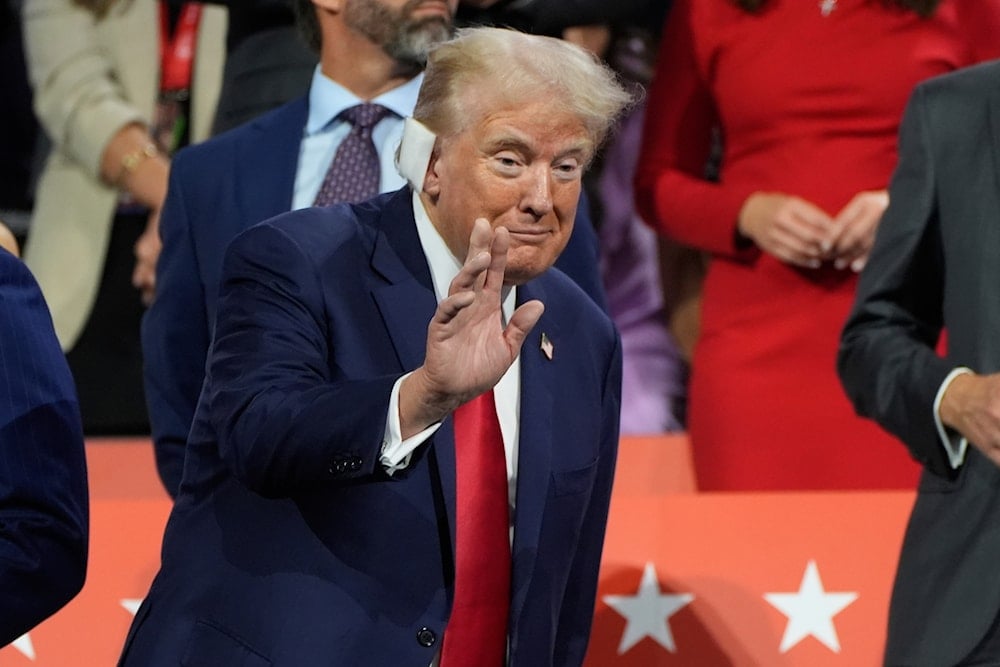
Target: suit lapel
column 535, row 445
column 266, row 164
column 406, row 303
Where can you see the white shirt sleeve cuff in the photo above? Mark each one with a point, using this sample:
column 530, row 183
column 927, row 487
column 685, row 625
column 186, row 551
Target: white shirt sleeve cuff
column 396, row 452
column 954, row 444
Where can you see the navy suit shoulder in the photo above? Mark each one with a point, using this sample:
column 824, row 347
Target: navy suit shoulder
column 217, row 189
column 290, row 113
column 317, row 231
column 43, row 477
column 580, row 260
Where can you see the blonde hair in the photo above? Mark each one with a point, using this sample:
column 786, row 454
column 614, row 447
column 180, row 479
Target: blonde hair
column 510, row 67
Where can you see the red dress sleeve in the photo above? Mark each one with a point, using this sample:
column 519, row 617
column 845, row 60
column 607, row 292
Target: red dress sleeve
column 672, row 193
column 979, row 21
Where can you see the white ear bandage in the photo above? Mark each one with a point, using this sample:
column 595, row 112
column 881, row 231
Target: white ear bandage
column 414, row 154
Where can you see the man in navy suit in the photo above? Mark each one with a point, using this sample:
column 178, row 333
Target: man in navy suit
column 325, row 507
column 43, row 474
column 371, row 51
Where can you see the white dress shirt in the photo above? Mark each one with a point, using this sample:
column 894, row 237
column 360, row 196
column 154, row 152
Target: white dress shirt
column 954, row 444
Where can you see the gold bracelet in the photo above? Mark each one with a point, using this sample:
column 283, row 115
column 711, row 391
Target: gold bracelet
column 132, row 160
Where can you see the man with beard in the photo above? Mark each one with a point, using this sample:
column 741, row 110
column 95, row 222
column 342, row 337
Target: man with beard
column 386, row 466
column 372, row 52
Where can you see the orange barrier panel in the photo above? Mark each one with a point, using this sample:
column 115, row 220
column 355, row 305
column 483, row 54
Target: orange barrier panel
column 734, row 580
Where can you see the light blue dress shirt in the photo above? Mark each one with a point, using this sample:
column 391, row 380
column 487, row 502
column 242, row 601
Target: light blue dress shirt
column 324, row 132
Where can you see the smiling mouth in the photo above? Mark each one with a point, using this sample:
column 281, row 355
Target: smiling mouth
column 529, row 235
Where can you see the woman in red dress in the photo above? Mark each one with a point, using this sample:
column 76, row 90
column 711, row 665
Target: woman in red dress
column 806, row 97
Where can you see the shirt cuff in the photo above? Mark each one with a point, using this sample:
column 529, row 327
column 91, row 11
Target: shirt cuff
column 954, row 444
column 396, row 452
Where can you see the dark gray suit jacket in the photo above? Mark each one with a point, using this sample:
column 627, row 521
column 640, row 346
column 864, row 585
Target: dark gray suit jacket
column 935, row 266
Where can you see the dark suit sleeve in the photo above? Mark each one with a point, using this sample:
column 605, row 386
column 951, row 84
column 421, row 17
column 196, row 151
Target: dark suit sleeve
column 43, row 475
column 175, row 336
column 282, row 418
column 578, row 602
column 887, row 361
column 580, row 259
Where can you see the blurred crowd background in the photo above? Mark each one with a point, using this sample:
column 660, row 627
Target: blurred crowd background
column 734, row 206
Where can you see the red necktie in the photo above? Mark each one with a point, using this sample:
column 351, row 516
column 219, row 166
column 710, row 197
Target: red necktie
column 476, row 635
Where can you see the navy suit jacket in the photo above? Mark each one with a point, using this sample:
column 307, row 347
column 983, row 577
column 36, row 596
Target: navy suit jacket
column 288, row 543
column 218, row 189
column 43, row 474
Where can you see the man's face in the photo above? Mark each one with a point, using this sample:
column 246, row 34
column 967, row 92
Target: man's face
column 519, row 167
column 405, row 29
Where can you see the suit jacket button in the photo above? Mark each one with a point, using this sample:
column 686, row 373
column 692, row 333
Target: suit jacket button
column 356, row 463
column 426, row 637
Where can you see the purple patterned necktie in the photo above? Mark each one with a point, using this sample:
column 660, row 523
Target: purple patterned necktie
column 353, row 175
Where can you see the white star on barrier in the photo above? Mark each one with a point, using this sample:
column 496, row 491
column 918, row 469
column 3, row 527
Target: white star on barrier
column 24, row 645
column 131, row 605
column 810, row 611
column 647, row 613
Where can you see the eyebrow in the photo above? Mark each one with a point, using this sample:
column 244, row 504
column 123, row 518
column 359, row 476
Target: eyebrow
column 512, row 142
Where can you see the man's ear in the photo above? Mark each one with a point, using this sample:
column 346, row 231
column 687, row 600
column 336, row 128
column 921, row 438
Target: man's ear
column 432, row 180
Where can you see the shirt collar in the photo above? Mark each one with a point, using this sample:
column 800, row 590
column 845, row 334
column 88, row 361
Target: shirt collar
column 327, row 99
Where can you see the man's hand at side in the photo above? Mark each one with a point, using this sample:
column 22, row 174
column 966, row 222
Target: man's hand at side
column 971, row 405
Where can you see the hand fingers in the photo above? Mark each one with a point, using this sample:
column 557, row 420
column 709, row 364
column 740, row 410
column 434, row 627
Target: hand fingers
column 864, row 204
column 498, row 259
column 450, row 307
column 480, row 238
column 144, row 270
column 792, row 249
column 855, row 240
column 809, row 222
column 147, row 251
column 470, row 273
column 852, row 251
column 144, row 280
column 858, row 263
column 800, row 233
column 856, row 224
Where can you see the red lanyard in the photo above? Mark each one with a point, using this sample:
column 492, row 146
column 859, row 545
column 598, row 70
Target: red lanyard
column 177, row 54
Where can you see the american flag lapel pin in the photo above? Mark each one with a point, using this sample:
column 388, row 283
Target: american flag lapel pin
column 546, row 346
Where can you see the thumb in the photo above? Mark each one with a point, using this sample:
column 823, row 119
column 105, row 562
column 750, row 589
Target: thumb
column 521, row 323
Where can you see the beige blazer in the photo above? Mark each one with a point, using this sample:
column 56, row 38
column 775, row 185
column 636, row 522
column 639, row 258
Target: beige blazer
column 90, row 79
